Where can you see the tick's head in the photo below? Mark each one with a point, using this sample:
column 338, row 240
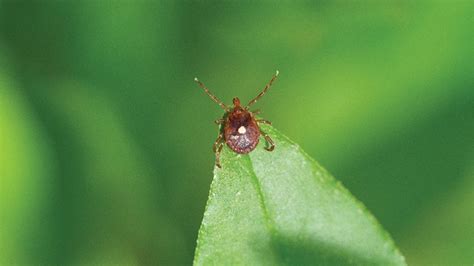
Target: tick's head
column 237, row 107
column 236, row 102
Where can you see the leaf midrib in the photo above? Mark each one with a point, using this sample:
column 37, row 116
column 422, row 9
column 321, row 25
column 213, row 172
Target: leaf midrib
column 269, row 223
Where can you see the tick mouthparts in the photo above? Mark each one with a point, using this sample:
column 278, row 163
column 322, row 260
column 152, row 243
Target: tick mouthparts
column 236, row 101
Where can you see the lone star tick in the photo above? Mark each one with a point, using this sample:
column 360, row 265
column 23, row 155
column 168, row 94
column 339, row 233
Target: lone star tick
column 239, row 128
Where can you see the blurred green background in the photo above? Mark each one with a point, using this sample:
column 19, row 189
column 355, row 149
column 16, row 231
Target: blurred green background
column 105, row 140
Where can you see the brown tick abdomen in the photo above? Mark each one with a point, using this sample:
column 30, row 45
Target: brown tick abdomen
column 241, row 131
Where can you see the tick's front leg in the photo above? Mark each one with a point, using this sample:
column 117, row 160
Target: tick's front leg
column 269, row 141
column 219, row 121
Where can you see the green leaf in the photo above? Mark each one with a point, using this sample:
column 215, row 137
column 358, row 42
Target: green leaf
column 282, row 207
column 26, row 170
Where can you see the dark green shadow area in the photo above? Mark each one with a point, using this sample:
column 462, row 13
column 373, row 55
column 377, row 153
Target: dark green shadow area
column 424, row 164
column 300, row 251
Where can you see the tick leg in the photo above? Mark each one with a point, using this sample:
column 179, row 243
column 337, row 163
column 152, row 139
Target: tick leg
column 212, row 96
column 219, row 121
column 217, row 142
column 218, row 154
column 269, row 141
column 263, row 121
column 254, row 100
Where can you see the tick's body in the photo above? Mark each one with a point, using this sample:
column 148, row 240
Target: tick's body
column 240, row 129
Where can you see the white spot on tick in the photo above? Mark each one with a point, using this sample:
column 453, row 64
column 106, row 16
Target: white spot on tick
column 242, row 130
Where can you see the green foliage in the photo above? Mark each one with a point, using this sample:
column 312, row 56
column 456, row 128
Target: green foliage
column 24, row 175
column 282, row 207
column 447, row 227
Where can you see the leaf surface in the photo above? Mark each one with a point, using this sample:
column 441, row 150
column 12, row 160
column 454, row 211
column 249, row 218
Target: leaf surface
column 282, row 207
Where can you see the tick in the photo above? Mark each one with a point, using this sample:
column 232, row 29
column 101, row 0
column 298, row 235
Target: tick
column 239, row 128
